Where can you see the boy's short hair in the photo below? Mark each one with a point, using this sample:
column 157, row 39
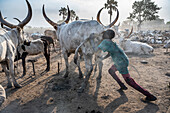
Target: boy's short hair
column 108, row 34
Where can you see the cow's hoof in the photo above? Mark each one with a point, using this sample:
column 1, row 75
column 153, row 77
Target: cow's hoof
column 99, row 77
column 2, row 99
column 17, row 86
column 80, row 90
column 80, row 75
column 9, row 86
column 23, row 75
column 66, row 75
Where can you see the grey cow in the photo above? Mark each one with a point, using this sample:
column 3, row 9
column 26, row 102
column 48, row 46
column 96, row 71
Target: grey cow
column 9, row 42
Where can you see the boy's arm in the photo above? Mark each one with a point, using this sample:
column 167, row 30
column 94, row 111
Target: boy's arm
column 99, row 60
column 105, row 57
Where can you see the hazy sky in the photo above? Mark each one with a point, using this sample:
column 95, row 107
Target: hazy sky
column 85, row 9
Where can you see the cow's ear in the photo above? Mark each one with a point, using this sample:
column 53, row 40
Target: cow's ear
column 103, row 32
column 27, row 43
column 55, row 27
column 23, row 47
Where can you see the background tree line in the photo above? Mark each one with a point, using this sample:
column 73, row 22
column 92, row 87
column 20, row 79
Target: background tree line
column 142, row 10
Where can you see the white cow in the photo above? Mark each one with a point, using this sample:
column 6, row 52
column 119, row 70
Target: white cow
column 133, row 46
column 8, row 44
column 73, row 34
column 38, row 45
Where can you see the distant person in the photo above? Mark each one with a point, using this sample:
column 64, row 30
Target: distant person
column 121, row 63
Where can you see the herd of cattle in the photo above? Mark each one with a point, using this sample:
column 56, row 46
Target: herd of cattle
column 80, row 36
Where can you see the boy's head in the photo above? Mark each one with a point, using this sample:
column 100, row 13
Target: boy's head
column 108, row 34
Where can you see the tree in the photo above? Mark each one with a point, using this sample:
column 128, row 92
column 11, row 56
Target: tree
column 111, row 5
column 63, row 12
column 72, row 15
column 144, row 10
column 77, row 18
column 168, row 22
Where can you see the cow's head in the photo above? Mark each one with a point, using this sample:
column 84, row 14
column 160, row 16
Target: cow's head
column 123, row 39
column 51, row 33
column 56, row 26
column 17, row 30
column 129, row 33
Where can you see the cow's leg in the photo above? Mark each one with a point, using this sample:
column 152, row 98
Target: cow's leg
column 4, row 66
column 80, row 72
column 11, row 70
column 24, row 55
column 100, row 69
column 47, row 57
column 89, row 69
column 100, row 65
column 66, row 63
column 81, row 55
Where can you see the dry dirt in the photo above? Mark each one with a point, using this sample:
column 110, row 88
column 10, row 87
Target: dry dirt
column 51, row 93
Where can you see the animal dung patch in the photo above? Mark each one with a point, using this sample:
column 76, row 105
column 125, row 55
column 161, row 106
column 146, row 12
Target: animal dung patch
column 61, row 86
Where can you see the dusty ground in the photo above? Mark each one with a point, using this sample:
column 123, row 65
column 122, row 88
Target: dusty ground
column 50, row 92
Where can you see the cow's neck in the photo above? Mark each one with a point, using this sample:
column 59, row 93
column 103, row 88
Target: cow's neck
column 13, row 37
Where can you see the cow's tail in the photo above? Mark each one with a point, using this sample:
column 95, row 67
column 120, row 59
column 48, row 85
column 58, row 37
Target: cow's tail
column 53, row 46
column 76, row 52
column 135, row 69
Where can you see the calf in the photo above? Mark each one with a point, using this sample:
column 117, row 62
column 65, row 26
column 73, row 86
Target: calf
column 134, row 47
column 33, row 47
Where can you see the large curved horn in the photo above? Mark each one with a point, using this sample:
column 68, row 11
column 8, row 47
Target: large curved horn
column 111, row 24
column 47, row 19
column 5, row 22
column 21, row 24
column 17, row 20
column 98, row 15
column 68, row 16
column 28, row 18
column 130, row 32
column 2, row 26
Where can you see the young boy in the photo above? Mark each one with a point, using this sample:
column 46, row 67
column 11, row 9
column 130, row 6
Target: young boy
column 121, row 63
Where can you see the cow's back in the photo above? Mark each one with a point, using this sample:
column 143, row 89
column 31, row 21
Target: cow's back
column 35, row 47
column 71, row 35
